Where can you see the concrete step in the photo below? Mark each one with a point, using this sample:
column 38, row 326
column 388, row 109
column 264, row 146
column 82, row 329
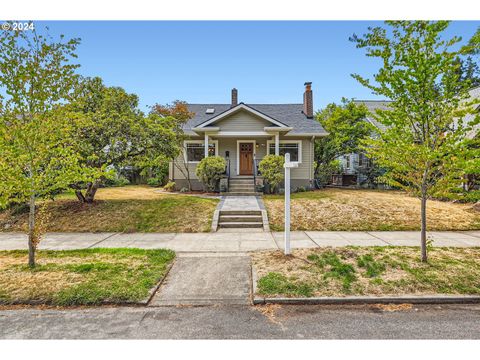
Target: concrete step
column 241, row 193
column 241, row 182
column 240, row 218
column 240, row 212
column 238, row 188
column 240, row 224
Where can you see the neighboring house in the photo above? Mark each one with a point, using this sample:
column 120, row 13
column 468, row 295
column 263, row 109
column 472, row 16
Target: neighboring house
column 244, row 133
column 353, row 165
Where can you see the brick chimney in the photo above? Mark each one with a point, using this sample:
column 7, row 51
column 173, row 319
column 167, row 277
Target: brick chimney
column 308, row 100
column 234, row 97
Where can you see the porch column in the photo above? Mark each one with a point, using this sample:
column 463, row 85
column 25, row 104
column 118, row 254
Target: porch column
column 206, row 145
column 277, row 144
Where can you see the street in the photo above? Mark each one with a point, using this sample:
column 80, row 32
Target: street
column 243, row 322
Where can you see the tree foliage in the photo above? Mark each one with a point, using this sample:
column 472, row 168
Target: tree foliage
column 111, row 132
column 423, row 146
column 346, row 127
column 38, row 158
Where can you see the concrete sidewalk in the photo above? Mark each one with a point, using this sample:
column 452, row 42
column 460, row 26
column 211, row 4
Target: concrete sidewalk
column 239, row 242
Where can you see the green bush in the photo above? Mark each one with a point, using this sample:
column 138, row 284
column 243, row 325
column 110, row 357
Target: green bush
column 210, row 170
column 117, row 181
column 271, row 168
column 170, row 186
column 155, row 182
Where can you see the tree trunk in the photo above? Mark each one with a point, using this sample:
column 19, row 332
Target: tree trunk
column 80, row 196
column 31, row 232
column 91, row 191
column 423, row 230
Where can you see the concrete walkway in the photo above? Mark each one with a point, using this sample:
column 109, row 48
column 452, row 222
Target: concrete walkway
column 239, row 241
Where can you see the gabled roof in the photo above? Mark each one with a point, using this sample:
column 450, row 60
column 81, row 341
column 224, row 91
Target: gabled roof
column 239, row 107
column 290, row 115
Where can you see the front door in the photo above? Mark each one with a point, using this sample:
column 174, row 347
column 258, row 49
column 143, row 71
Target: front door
column 246, row 159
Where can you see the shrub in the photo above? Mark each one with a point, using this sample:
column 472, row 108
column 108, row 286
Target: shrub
column 210, row 170
column 156, row 182
column 271, row 168
column 301, row 189
column 170, row 186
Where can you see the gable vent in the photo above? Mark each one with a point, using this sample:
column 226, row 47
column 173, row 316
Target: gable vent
column 210, row 111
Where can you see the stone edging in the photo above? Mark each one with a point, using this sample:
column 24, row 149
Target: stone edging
column 358, row 300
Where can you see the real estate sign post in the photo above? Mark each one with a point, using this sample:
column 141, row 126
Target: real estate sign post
column 287, row 167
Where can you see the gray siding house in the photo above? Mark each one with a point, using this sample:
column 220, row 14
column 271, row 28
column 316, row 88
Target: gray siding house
column 244, row 133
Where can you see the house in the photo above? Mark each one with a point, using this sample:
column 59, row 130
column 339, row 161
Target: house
column 243, row 134
column 354, row 165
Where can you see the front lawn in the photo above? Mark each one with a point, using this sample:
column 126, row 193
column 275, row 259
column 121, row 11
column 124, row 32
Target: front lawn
column 367, row 210
column 122, row 209
column 367, row 271
column 82, row 277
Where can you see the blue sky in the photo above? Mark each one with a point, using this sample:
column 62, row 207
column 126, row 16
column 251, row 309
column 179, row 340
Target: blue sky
column 200, row 62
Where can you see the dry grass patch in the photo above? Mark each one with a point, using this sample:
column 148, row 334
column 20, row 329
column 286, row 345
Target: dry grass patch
column 81, row 277
column 368, row 271
column 126, row 209
column 368, row 210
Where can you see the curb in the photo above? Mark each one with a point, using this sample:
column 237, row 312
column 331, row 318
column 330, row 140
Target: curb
column 154, row 290
column 358, row 300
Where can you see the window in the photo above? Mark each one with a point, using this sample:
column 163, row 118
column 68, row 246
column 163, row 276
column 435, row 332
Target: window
column 363, row 160
column 347, row 158
column 293, row 147
column 195, row 150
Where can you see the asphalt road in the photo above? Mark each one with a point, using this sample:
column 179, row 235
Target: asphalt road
column 243, row 322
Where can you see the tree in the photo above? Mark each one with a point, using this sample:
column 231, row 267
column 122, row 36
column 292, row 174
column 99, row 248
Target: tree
column 111, row 132
column 422, row 147
column 37, row 157
column 346, row 126
column 178, row 111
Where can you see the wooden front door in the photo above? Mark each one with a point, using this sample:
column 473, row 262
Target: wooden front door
column 246, row 159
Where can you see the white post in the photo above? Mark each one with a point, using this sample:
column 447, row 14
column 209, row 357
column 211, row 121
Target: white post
column 287, row 204
column 206, row 145
column 277, row 144
column 288, row 165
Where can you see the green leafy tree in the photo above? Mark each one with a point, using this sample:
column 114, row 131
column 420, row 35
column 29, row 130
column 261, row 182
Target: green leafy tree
column 37, row 157
column 111, row 132
column 346, row 127
column 423, row 147
column 271, row 168
column 210, row 170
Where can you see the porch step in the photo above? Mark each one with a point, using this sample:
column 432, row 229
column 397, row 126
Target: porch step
column 241, row 193
column 241, row 181
column 237, row 225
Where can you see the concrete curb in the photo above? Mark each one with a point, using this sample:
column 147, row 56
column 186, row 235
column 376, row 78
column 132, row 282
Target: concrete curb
column 440, row 299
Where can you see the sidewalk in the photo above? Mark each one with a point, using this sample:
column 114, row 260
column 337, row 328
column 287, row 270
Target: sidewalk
column 240, row 242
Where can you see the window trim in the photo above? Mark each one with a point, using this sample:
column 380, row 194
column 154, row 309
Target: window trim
column 298, row 142
column 198, row 142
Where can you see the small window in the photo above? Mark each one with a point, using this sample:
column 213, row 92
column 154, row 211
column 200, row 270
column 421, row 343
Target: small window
column 210, row 111
column 347, row 158
column 291, row 148
column 196, row 151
